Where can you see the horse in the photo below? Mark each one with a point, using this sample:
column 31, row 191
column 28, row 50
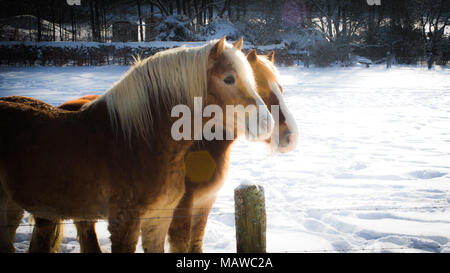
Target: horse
column 116, row 159
column 187, row 227
column 266, row 76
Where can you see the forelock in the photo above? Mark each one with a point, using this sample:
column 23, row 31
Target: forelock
column 242, row 67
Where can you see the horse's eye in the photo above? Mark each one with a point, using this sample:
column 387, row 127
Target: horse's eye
column 229, row 80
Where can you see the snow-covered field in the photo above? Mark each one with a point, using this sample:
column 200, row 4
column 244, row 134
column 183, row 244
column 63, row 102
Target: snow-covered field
column 371, row 172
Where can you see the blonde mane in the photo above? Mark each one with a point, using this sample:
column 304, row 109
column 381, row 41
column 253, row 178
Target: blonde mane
column 154, row 85
column 269, row 65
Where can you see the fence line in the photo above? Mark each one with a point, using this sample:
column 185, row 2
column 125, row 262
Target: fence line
column 343, row 250
column 219, row 212
column 367, row 209
column 122, row 209
column 125, row 220
column 282, row 207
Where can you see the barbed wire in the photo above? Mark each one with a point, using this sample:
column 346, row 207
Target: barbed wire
column 273, row 208
column 120, row 220
column 119, row 209
column 433, row 207
column 219, row 212
column 437, row 248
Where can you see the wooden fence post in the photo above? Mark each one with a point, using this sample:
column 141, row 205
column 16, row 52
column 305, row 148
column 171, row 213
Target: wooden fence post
column 250, row 214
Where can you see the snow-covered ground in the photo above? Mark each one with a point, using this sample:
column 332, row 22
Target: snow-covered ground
column 371, row 172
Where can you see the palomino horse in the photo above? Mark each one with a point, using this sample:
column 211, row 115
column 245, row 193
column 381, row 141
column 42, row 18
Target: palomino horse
column 187, row 227
column 116, row 159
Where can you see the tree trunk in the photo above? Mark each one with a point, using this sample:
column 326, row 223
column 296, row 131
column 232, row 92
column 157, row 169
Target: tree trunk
column 72, row 17
column 30, row 27
column 74, row 31
column 61, row 30
column 91, row 9
column 97, row 21
column 203, row 12
column 141, row 30
column 39, row 25
column 197, row 13
column 178, row 4
column 210, row 11
column 430, row 60
column 53, row 21
column 183, row 6
column 329, row 15
column 105, row 28
column 188, row 7
column 53, row 26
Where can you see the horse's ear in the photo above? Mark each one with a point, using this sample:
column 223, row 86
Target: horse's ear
column 252, row 56
column 218, row 48
column 238, row 43
column 271, row 56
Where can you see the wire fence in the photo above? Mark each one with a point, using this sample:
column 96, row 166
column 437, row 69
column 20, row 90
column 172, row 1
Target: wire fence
column 432, row 247
column 220, row 211
column 385, row 208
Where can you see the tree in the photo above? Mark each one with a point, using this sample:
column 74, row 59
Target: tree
column 434, row 18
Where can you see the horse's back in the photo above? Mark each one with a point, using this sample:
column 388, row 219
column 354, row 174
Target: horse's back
column 76, row 104
column 19, row 114
column 13, row 106
column 37, row 126
column 43, row 150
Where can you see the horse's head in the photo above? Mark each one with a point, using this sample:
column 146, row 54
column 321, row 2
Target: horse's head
column 231, row 86
column 285, row 133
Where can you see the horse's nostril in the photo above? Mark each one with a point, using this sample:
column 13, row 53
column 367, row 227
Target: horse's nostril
column 288, row 138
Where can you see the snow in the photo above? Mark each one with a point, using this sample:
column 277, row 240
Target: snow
column 370, row 173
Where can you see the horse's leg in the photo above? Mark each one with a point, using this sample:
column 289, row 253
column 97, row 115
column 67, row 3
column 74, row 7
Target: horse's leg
column 180, row 227
column 10, row 217
column 199, row 219
column 87, row 237
column 47, row 236
column 124, row 226
column 155, row 226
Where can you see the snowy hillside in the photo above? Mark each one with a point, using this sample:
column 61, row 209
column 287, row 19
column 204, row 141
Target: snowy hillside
column 371, row 172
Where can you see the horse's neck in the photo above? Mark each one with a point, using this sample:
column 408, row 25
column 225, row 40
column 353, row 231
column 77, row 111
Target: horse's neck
column 158, row 141
column 97, row 114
